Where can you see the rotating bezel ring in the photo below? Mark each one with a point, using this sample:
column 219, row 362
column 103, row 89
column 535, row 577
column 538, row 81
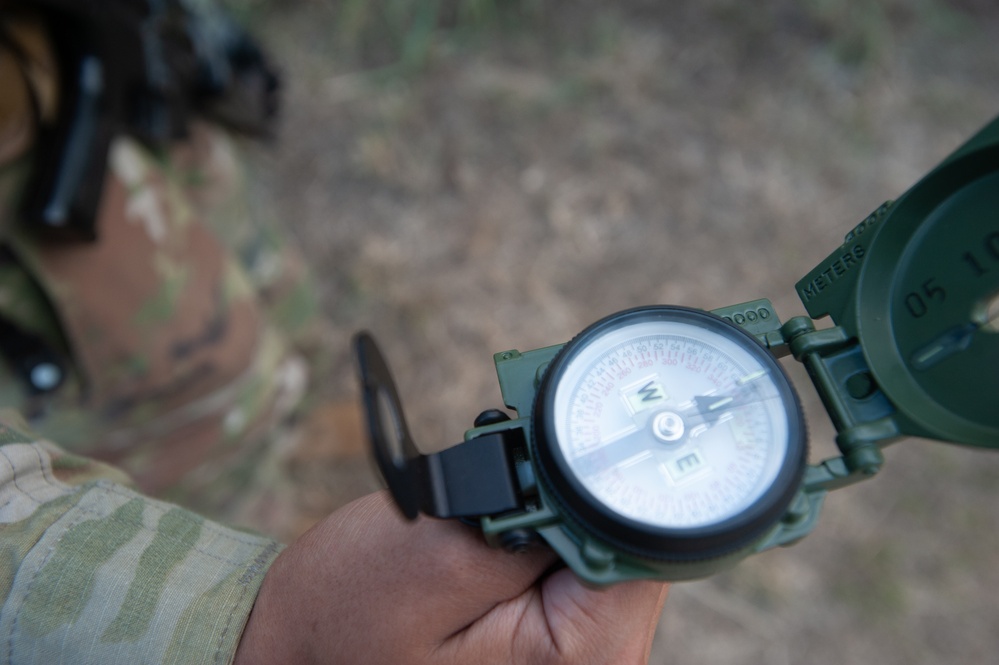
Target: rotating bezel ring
column 587, row 513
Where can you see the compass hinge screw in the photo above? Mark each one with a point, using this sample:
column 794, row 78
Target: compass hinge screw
column 518, row 540
column 491, row 417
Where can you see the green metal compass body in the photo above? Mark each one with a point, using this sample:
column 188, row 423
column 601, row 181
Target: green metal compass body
column 665, row 442
column 920, row 299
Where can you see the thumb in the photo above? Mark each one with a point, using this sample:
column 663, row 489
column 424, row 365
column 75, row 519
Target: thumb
column 609, row 624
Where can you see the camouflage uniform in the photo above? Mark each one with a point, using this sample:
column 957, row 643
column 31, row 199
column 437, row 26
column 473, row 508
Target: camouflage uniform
column 93, row 572
column 186, row 352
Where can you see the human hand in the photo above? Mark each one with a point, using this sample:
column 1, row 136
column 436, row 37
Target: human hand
column 364, row 586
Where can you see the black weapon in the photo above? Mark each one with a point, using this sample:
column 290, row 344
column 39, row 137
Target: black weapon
column 141, row 67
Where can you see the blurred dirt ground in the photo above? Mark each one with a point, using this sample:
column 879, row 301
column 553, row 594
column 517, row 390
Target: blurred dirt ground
column 509, row 174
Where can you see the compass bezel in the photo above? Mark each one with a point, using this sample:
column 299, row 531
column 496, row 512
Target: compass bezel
column 643, row 539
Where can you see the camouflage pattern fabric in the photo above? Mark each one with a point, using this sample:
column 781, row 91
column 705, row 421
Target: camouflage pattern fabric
column 190, row 328
column 176, row 359
column 122, row 578
column 190, row 333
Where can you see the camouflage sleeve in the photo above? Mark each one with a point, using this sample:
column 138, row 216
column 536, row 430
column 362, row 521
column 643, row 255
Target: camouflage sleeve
column 90, row 566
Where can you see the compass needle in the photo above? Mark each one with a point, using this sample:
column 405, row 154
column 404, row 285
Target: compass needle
column 721, row 403
column 632, row 461
column 746, row 472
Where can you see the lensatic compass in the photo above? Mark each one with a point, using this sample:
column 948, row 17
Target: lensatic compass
column 667, row 442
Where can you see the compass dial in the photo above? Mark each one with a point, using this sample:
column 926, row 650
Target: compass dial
column 671, row 431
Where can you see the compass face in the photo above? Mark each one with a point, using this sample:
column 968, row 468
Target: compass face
column 665, row 424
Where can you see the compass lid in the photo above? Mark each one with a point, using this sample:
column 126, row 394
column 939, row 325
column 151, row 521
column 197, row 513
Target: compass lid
column 917, row 285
